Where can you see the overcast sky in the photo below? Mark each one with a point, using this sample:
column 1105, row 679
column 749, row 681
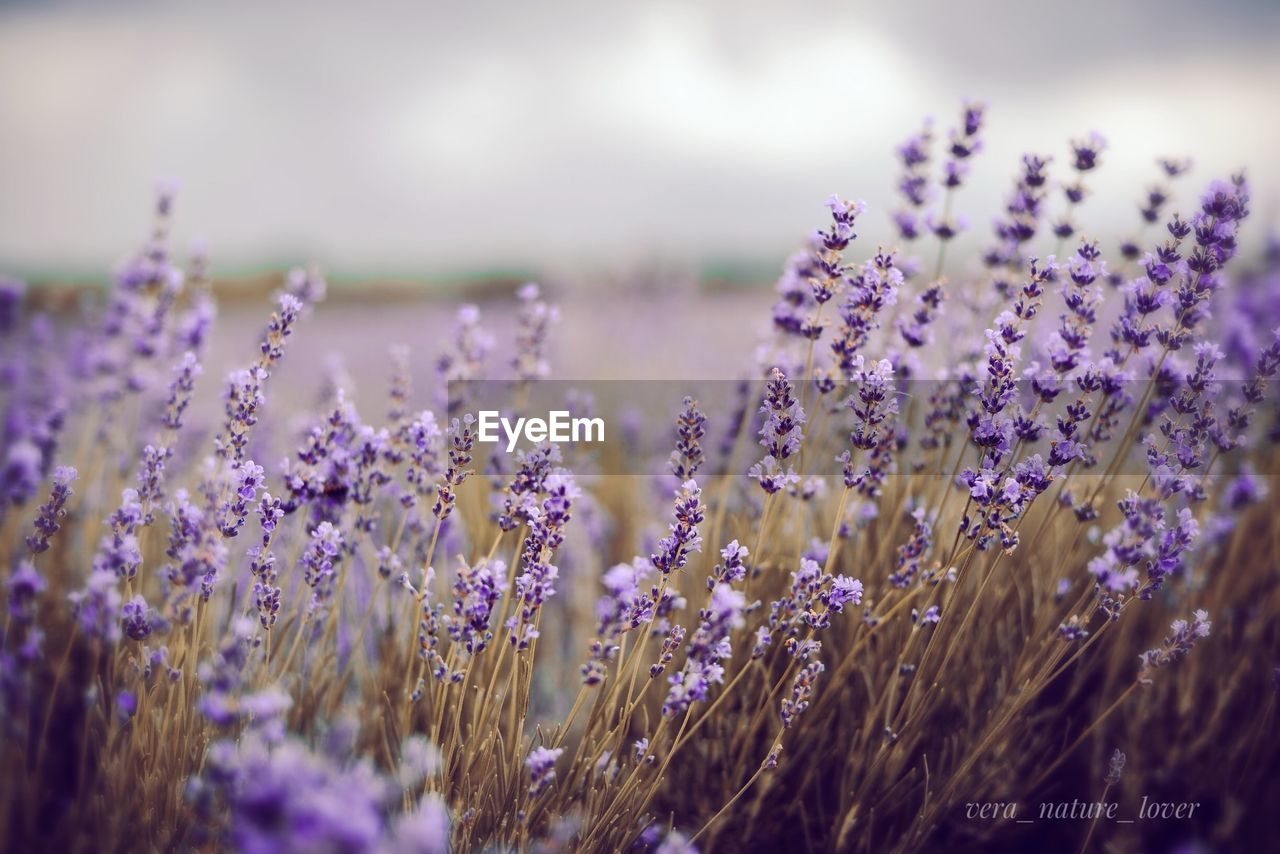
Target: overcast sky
column 424, row 136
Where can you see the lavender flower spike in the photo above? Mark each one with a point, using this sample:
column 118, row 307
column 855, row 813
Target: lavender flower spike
column 53, row 510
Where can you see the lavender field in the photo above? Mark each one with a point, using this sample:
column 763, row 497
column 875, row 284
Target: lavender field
column 974, row 553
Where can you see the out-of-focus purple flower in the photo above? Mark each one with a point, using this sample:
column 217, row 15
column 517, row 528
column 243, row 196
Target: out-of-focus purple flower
column 1182, row 637
column 911, row 553
column 136, row 618
column 535, row 317
column 1115, row 767
column 541, row 763
column 464, row 363
column 287, row 799
column 118, row 551
column 425, row 830
column 97, row 606
column 24, row 586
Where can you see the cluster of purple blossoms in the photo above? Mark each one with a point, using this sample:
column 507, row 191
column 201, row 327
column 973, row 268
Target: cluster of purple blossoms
column 963, row 143
column 671, row 643
column 808, row 603
column 1086, row 154
column 916, row 328
column 991, row 428
column 1024, row 209
column 118, row 552
column 196, row 549
column 913, row 185
column 997, row 504
column 464, row 363
column 1143, row 539
column 475, row 593
column 630, row 602
column 683, row 540
column 262, row 565
column 535, row 320
column 541, row 763
column 423, row 439
column 1222, row 208
column 732, row 568
column 801, row 693
column 795, row 308
column 462, row 439
column 869, row 293
column 780, row 435
column 136, row 618
column 52, row 511
column 874, row 405
column 828, row 271
column 1234, row 431
column 519, row 499
column 691, row 426
column 708, row 646
column 1153, row 203
column 246, row 481
column 1188, row 432
column 284, row 797
column 323, row 551
column 1182, row 637
column 536, row 582
column 244, row 388
column 911, row 553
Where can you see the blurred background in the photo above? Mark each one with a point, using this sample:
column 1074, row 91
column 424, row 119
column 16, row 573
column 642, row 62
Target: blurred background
column 600, row 143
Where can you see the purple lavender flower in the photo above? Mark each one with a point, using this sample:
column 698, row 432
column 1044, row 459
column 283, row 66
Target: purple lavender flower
column 536, row 582
column 53, row 510
column 691, row 426
column 870, row 292
column 136, row 618
column 780, row 435
column 801, row 692
column 1115, row 767
column 475, row 594
column 913, row 185
column 461, row 441
column 24, row 586
column 708, row 646
column 1182, row 637
column 324, row 550
column 248, row 479
column 684, row 539
column 541, row 763
column 97, row 606
column 536, row 318
column 910, row 553
column 464, row 363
